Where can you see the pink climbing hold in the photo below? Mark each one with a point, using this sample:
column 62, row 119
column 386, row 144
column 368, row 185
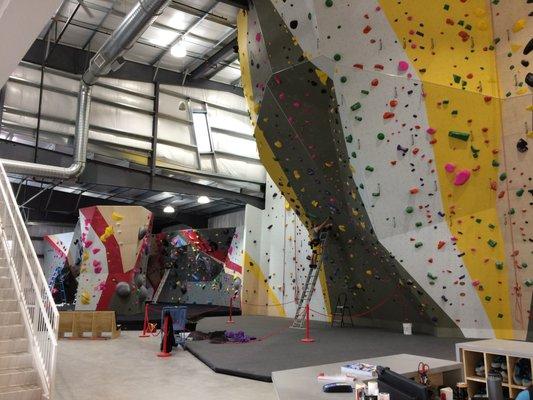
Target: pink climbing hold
column 431, row 131
column 96, row 250
column 449, row 167
column 461, row 177
column 475, row 283
column 258, row 37
column 403, row 66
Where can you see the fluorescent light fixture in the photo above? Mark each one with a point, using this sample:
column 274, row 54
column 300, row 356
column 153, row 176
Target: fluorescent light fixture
column 168, row 209
column 178, row 50
column 204, row 200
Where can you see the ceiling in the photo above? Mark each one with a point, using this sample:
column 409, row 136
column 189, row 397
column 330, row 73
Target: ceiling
column 206, row 28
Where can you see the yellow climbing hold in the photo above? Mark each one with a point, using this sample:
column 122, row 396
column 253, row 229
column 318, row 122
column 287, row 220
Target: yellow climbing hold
column 107, row 233
column 322, row 76
column 85, row 256
column 287, row 205
column 342, row 228
column 278, row 144
column 359, row 286
column 519, row 25
column 314, row 203
column 522, row 91
column 296, row 174
column 369, row 272
column 85, row 297
column 116, row 216
column 515, row 47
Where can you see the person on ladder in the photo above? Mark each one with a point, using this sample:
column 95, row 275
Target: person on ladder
column 316, row 232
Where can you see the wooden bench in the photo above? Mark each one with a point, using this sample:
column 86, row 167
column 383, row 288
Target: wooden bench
column 77, row 323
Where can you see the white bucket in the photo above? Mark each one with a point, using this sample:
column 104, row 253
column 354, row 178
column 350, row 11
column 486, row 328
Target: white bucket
column 407, row 328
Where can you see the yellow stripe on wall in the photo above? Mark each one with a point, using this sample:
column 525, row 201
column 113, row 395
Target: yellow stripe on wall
column 469, row 103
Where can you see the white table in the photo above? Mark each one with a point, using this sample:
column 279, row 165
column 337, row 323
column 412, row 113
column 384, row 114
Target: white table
column 302, row 383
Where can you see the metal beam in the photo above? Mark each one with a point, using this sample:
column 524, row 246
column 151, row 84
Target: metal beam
column 180, row 6
column 155, row 130
column 72, row 60
column 242, row 4
column 212, row 62
column 123, row 176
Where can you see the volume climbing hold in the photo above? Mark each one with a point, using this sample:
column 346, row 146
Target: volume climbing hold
column 461, row 177
column 459, row 135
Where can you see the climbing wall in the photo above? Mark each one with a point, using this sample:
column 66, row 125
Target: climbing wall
column 108, row 257
column 406, row 125
column 197, row 266
column 277, row 257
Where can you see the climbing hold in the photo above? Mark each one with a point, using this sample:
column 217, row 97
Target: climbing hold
column 369, row 168
column 519, row 25
column 85, row 297
column 521, row 145
column 337, row 57
column 414, row 190
column 432, row 276
column 528, row 282
column 388, row 115
column 520, row 192
column 418, row 244
column 440, row 244
column 461, row 177
column 495, row 163
column 409, row 210
column 503, row 176
column 349, row 138
column 278, row 144
column 344, row 79
column 296, row 174
column 403, row 66
column 355, row 106
column 459, row 135
column 492, row 243
column 449, row 167
column 115, row 216
column 329, row 3
column 431, row 131
column 381, row 136
column 499, row 265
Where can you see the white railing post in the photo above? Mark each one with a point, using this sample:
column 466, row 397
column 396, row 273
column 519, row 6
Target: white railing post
column 37, row 306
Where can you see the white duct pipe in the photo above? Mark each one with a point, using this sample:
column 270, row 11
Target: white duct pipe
column 123, row 38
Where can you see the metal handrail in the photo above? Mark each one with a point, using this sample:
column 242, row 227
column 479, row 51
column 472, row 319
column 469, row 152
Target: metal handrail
column 40, row 315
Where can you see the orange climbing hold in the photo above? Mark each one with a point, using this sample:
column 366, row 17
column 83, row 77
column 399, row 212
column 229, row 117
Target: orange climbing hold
column 388, row 115
column 414, row 190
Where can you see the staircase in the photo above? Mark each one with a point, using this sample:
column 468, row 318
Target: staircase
column 28, row 316
column 18, row 379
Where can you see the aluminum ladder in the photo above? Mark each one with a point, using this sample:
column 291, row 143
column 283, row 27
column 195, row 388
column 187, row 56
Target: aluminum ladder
column 310, row 283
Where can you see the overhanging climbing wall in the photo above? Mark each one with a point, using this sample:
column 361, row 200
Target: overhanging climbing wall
column 197, row 266
column 408, row 126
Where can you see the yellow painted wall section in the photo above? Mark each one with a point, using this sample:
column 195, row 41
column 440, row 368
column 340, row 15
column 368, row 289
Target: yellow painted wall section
column 258, row 298
column 449, row 44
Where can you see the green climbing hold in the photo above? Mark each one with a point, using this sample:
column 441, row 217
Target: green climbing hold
column 492, row 226
column 474, row 151
column 349, row 138
column 418, row 244
column 329, row 3
column 337, row 57
column 524, row 265
column 381, row 136
column 488, row 298
column 495, row 163
column 409, row 210
column 361, row 186
column 376, row 194
column 364, row 91
column 512, row 211
column 369, row 168
column 478, row 220
column 358, row 118
column 500, row 315
column 431, row 276
column 355, row 106
column 455, row 112
column 528, row 282
column 503, row 176
column 344, row 79
column 446, row 7
column 459, row 135
column 520, row 192
column 445, row 102
column 354, row 155
column 499, row 265
column 492, row 243
column 456, row 78
column 418, row 224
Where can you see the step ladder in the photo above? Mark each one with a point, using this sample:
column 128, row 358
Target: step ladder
column 310, row 283
column 341, row 310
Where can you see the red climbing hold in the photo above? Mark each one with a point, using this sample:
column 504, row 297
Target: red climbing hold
column 393, row 103
column 367, row 29
column 440, row 244
column 388, row 115
column 378, row 66
column 359, row 66
column 374, row 82
column 464, row 36
column 487, row 99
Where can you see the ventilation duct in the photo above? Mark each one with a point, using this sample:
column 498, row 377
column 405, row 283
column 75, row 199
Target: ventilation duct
column 106, row 59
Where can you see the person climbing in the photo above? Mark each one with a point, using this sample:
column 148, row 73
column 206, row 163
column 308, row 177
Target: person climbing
column 316, row 232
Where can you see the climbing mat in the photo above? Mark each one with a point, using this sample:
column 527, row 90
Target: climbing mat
column 408, row 126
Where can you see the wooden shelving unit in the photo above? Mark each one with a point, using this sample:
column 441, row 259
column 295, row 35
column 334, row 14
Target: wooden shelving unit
column 484, row 352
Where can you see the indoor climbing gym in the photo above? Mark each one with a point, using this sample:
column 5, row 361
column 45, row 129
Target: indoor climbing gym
column 266, row 199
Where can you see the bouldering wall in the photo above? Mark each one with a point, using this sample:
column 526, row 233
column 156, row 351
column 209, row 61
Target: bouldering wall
column 408, row 126
column 55, row 253
column 276, row 261
column 197, row 266
column 108, row 258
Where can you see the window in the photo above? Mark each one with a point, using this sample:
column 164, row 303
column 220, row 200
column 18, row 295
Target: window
column 201, row 130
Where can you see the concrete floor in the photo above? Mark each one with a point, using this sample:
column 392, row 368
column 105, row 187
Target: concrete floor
column 127, row 369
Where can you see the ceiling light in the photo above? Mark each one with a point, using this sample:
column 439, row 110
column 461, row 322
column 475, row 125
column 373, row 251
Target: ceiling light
column 168, row 209
column 178, row 50
column 204, row 200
